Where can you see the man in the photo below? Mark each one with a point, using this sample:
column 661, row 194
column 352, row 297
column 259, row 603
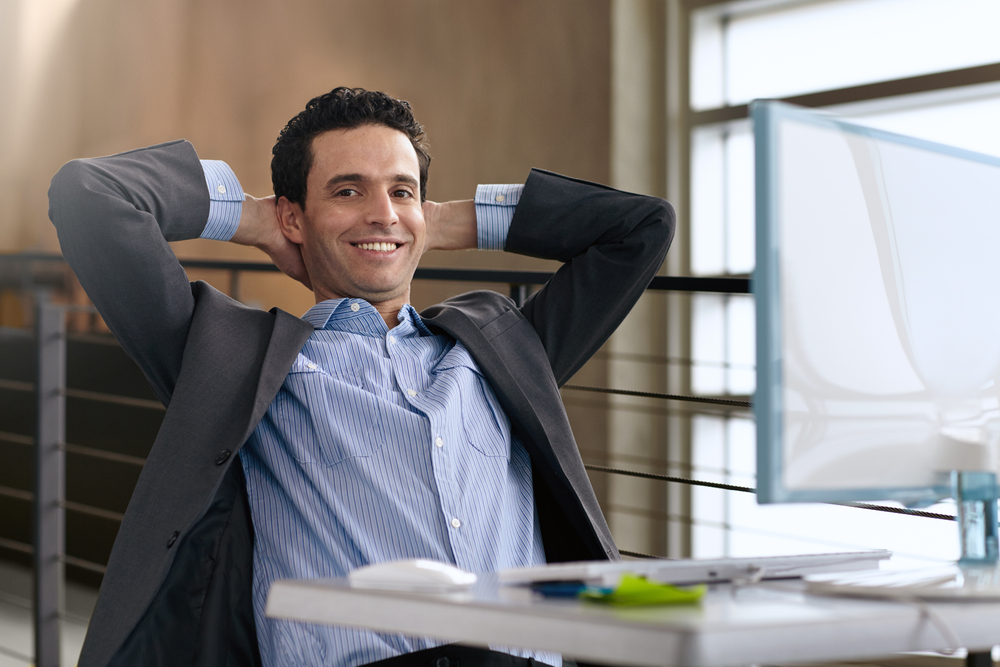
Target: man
column 365, row 432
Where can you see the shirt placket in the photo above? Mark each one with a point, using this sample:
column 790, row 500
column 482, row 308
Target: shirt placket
column 446, row 427
column 414, row 382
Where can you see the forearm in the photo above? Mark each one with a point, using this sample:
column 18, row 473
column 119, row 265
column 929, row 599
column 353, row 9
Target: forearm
column 250, row 231
column 561, row 218
column 451, row 225
column 114, row 216
column 161, row 185
column 246, row 220
column 611, row 243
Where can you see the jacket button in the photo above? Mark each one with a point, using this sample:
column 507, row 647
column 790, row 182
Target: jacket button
column 442, row 662
column 222, row 457
column 173, row 538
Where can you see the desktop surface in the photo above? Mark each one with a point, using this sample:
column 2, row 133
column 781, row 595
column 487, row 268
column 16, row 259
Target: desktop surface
column 766, row 623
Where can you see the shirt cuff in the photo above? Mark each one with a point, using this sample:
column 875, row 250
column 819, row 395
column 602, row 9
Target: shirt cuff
column 495, row 206
column 226, row 201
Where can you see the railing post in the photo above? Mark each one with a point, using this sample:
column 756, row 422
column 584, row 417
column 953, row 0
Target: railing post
column 519, row 293
column 234, row 284
column 49, row 480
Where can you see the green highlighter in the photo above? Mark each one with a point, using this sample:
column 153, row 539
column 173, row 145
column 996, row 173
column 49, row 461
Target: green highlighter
column 635, row 591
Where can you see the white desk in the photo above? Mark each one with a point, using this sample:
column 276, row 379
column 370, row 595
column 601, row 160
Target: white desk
column 773, row 623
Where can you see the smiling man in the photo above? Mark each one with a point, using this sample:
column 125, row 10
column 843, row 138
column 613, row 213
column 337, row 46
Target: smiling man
column 365, row 432
column 361, row 227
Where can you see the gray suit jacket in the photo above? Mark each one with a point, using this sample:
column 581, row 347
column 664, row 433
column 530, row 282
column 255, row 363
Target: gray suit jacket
column 178, row 585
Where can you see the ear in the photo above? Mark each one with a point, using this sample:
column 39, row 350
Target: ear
column 290, row 218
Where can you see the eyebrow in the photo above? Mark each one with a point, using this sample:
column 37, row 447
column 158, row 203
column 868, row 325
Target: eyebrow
column 361, row 178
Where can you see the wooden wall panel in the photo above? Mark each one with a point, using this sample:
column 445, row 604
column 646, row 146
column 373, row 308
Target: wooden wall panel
column 500, row 85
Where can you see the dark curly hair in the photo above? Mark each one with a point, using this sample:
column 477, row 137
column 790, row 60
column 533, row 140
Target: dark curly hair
column 341, row 108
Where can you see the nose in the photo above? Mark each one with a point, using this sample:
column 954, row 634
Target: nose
column 381, row 211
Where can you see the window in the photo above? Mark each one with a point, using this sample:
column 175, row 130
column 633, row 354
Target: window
column 743, row 51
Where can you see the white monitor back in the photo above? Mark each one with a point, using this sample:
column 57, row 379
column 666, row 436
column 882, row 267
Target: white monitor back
column 878, row 310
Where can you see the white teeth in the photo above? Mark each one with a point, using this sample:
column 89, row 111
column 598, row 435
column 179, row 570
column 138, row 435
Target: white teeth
column 379, row 247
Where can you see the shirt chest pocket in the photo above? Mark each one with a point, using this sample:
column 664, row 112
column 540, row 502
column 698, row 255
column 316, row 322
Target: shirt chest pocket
column 333, row 417
column 484, row 423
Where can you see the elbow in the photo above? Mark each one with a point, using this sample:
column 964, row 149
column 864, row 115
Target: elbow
column 71, row 176
column 68, row 178
column 668, row 217
column 662, row 222
column 67, row 187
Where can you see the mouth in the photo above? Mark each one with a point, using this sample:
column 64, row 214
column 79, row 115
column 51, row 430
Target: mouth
column 377, row 247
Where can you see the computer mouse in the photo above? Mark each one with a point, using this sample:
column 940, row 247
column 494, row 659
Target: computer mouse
column 418, row 574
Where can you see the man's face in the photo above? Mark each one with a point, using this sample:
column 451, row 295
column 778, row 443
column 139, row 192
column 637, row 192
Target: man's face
column 362, row 229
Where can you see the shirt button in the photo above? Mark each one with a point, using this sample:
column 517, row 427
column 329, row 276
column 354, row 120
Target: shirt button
column 455, row 523
column 411, row 392
column 355, row 307
column 311, row 367
column 439, row 443
column 222, row 189
column 499, row 198
column 391, row 339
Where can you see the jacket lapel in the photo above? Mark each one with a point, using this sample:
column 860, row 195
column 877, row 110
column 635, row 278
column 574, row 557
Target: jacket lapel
column 289, row 335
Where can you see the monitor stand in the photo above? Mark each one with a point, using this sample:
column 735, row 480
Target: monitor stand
column 976, row 575
column 975, row 494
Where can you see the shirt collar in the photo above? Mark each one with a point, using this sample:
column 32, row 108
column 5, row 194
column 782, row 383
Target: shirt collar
column 341, row 315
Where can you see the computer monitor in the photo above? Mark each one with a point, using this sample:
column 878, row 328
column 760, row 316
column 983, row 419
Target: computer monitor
column 877, row 292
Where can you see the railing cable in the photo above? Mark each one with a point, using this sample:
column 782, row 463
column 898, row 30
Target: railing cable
column 669, row 478
column 898, row 510
column 746, row 489
column 667, row 397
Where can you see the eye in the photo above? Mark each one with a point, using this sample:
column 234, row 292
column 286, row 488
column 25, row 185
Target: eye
column 346, row 192
column 402, row 193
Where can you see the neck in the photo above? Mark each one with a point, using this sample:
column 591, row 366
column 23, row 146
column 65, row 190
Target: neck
column 389, row 313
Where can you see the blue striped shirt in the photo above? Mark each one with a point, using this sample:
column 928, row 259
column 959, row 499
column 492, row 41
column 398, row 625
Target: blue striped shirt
column 382, row 444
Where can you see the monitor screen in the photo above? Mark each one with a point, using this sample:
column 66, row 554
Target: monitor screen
column 878, row 310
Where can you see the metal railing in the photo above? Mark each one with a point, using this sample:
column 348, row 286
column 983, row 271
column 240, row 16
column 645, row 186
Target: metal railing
column 518, row 281
column 50, row 480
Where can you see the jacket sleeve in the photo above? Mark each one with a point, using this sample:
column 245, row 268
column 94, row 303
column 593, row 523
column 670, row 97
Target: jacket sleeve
column 114, row 216
column 611, row 244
